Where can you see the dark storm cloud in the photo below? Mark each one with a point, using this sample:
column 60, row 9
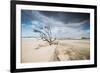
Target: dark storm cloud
column 67, row 17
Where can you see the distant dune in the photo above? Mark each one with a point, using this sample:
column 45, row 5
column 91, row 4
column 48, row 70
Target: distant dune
column 36, row 50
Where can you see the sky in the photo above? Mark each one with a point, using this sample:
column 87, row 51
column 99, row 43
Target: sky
column 63, row 24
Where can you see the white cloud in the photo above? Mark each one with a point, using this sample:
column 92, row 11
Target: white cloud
column 60, row 29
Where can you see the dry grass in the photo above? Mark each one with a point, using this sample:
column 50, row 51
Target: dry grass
column 74, row 49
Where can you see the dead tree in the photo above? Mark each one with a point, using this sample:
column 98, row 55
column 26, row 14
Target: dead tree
column 46, row 34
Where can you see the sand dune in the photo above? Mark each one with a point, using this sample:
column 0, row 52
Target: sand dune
column 36, row 50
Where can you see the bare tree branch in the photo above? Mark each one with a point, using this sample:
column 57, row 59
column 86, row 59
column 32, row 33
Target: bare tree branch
column 45, row 34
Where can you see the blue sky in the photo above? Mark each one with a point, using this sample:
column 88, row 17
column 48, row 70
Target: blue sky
column 63, row 24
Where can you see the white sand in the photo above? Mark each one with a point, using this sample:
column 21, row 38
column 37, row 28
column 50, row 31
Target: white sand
column 31, row 52
column 35, row 50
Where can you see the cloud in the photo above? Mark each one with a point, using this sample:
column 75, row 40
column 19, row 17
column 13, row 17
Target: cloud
column 59, row 25
column 67, row 32
column 66, row 17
